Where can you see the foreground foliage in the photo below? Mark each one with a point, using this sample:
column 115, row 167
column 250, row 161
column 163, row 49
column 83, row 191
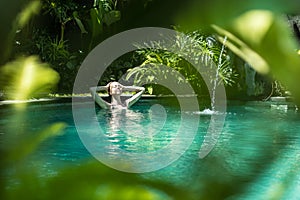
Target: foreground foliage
column 273, row 47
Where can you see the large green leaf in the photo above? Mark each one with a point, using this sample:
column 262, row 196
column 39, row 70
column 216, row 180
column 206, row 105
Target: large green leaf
column 79, row 23
column 112, row 17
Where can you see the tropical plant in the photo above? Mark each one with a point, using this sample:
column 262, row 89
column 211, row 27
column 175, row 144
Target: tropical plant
column 103, row 13
column 64, row 12
column 57, row 53
column 196, row 47
column 54, row 35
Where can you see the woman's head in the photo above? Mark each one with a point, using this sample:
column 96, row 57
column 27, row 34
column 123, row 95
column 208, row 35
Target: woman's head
column 115, row 88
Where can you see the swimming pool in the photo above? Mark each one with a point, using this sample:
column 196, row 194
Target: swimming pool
column 257, row 154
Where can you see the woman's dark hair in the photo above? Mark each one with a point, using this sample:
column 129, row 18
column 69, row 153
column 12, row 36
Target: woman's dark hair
column 108, row 91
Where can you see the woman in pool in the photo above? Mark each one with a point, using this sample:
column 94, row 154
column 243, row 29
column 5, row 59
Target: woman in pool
column 115, row 90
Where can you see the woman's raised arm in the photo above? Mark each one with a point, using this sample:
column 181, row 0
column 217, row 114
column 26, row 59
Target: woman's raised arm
column 140, row 90
column 97, row 98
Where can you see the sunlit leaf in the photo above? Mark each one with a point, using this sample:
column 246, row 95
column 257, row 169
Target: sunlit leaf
column 254, row 25
column 243, row 50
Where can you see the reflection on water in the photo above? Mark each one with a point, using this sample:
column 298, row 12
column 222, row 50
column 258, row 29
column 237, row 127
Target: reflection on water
column 138, row 130
column 134, row 122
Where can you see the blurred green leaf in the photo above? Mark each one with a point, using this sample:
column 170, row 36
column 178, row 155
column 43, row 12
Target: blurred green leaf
column 14, row 15
column 199, row 14
column 26, row 78
column 28, row 144
column 253, row 25
column 94, row 181
column 243, row 50
column 32, row 8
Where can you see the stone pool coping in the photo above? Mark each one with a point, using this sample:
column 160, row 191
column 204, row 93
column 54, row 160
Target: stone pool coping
column 87, row 97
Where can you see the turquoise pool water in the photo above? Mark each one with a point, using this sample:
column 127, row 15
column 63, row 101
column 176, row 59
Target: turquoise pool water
column 257, row 155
